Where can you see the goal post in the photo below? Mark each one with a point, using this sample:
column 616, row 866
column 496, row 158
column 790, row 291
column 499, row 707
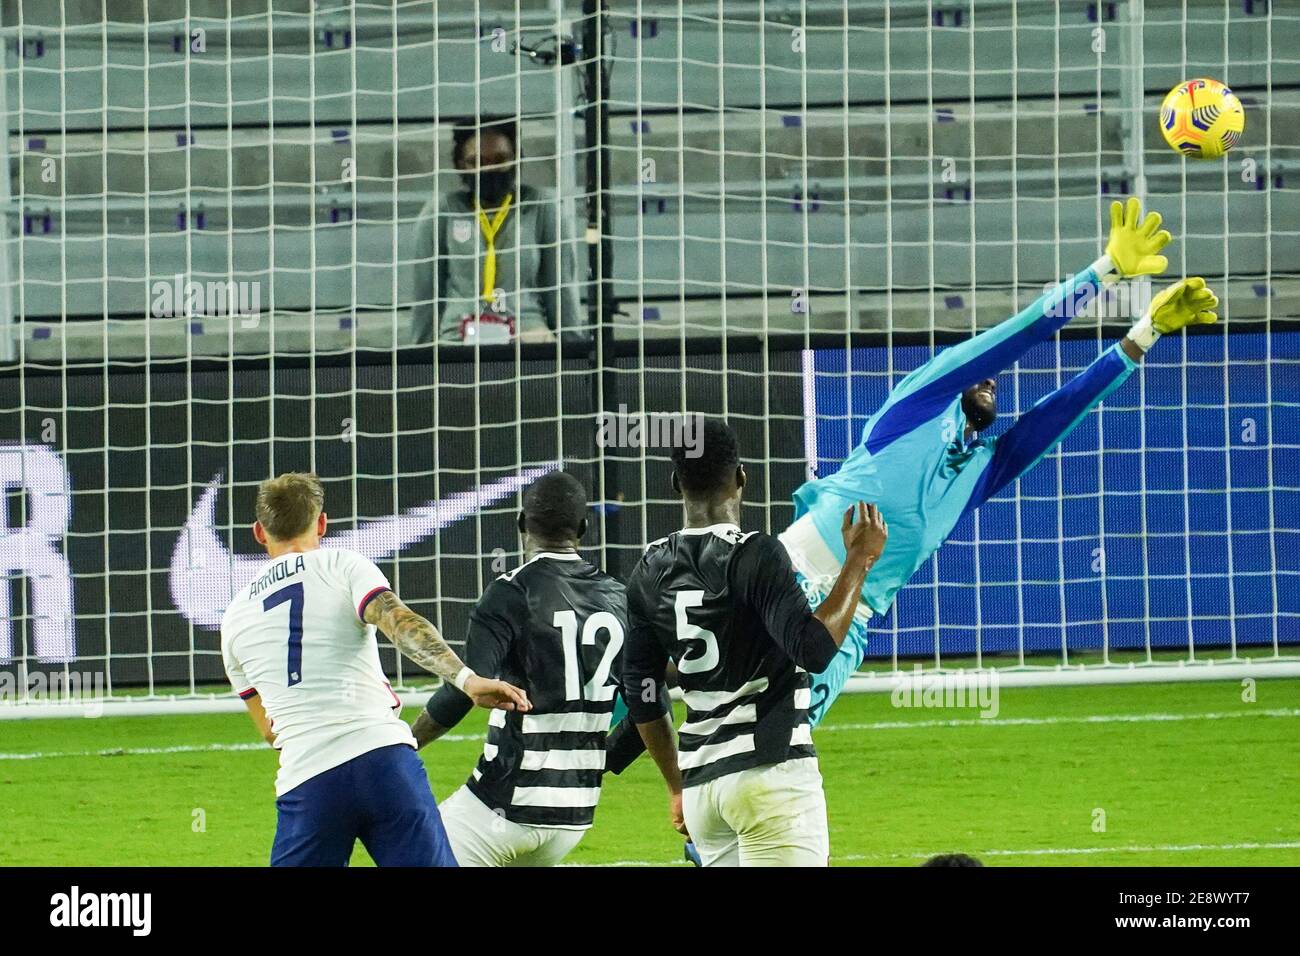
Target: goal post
column 225, row 226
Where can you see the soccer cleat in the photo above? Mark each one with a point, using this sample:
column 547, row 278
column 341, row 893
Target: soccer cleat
column 693, row 854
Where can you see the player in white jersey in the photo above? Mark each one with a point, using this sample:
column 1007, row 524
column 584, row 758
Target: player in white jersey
column 299, row 648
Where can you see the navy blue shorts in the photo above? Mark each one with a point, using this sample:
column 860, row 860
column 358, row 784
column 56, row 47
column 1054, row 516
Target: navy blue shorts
column 381, row 798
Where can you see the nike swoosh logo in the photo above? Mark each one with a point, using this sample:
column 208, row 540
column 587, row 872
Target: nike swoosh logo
column 205, row 575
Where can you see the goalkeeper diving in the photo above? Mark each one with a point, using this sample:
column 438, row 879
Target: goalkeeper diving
column 922, row 458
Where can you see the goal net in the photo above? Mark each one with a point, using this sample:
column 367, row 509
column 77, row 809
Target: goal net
column 235, row 248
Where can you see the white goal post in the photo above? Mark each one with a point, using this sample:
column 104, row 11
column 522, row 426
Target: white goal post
column 223, row 229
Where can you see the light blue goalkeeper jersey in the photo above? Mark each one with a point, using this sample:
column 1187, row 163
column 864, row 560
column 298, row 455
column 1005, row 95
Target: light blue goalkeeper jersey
column 913, row 461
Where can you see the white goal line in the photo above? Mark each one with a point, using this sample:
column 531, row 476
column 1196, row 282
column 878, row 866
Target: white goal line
column 860, row 683
column 1153, row 718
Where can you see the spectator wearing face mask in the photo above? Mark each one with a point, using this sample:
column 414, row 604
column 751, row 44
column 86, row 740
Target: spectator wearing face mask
column 493, row 259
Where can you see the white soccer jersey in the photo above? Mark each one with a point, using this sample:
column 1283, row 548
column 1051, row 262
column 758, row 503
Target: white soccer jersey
column 296, row 638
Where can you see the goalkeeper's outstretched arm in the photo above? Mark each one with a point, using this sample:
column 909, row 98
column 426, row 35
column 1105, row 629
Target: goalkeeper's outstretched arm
column 1041, row 428
column 1132, row 250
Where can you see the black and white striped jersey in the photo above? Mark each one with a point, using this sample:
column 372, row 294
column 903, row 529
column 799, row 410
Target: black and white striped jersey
column 555, row 627
column 725, row 606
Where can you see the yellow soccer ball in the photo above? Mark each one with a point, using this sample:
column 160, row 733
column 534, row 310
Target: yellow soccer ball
column 1202, row 119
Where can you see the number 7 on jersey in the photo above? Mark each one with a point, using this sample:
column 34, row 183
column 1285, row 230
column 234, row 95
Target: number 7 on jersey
column 294, row 595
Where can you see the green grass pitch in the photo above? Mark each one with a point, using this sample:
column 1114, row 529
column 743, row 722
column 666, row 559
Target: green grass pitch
column 1177, row 774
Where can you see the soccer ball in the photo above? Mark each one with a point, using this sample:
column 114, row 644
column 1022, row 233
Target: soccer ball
column 1202, row 119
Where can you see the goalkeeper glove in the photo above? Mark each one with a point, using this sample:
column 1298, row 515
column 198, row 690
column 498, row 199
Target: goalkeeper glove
column 1135, row 242
column 1184, row 303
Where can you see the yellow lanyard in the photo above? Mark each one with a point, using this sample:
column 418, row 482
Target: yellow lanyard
column 490, row 230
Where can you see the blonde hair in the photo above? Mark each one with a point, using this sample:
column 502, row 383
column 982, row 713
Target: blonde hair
column 288, row 505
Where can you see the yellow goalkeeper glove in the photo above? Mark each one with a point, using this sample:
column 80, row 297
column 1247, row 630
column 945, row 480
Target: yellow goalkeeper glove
column 1135, row 242
column 1184, row 303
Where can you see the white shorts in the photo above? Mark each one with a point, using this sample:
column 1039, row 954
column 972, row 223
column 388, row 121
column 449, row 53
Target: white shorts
column 817, row 564
column 767, row 816
column 480, row 837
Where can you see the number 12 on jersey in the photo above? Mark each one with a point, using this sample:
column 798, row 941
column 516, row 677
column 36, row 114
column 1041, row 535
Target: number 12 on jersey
column 566, row 622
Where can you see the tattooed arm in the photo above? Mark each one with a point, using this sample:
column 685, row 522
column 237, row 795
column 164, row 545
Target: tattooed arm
column 417, row 639
column 495, row 622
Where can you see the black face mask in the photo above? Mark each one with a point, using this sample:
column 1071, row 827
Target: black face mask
column 492, row 185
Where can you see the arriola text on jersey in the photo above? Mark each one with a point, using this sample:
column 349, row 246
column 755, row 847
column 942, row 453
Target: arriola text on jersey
column 276, row 573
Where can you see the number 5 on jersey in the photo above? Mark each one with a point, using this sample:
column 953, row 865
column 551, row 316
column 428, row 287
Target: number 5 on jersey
column 707, row 658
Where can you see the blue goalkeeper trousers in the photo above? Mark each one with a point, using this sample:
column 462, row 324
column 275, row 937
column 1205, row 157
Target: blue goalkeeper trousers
column 827, row 685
